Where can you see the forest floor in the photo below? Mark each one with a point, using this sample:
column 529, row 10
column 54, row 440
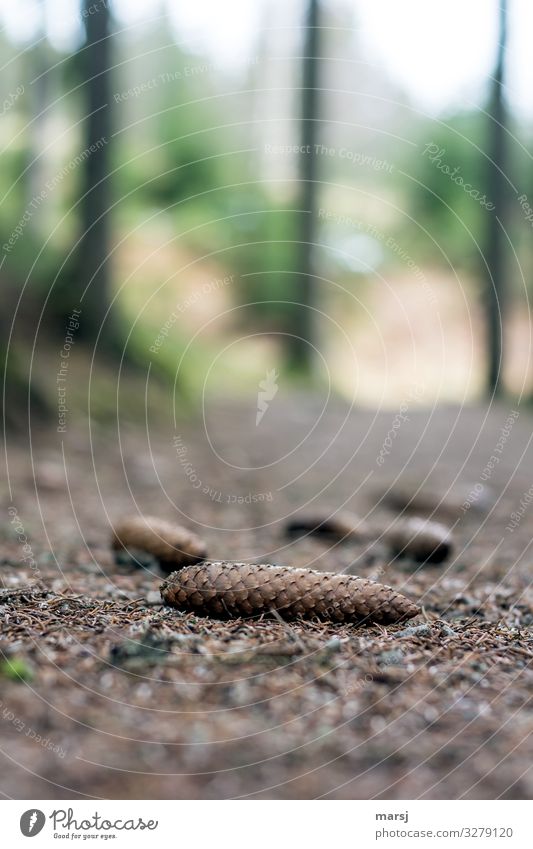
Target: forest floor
column 106, row 693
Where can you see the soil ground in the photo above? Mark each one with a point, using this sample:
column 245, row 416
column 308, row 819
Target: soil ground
column 106, row 693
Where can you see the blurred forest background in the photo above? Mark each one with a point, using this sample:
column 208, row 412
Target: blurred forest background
column 336, row 191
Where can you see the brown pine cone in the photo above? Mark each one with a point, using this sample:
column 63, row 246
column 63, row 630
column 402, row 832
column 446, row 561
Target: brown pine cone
column 415, row 537
column 225, row 589
column 448, row 504
column 172, row 545
column 342, row 525
column 425, row 541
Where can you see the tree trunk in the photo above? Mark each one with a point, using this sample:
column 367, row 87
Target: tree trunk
column 93, row 268
column 38, row 97
column 301, row 338
column 497, row 193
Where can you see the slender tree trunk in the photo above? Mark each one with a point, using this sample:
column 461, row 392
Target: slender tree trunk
column 94, row 264
column 38, row 96
column 497, row 192
column 301, row 331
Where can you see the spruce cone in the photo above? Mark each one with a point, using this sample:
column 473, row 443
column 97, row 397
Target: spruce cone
column 449, row 504
column 343, row 525
column 420, row 539
column 225, row 589
column 172, row 545
column 425, row 541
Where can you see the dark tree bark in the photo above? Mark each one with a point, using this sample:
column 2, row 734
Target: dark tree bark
column 93, row 266
column 301, row 331
column 38, row 97
column 497, row 192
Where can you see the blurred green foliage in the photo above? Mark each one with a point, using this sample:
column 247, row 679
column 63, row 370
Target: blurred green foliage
column 16, row 669
column 187, row 173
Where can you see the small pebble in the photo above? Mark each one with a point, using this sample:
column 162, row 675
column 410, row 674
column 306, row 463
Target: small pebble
column 153, row 598
column 334, row 644
column 414, row 631
column 390, row 658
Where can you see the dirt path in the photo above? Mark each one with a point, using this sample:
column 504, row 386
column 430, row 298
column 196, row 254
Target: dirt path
column 122, row 697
